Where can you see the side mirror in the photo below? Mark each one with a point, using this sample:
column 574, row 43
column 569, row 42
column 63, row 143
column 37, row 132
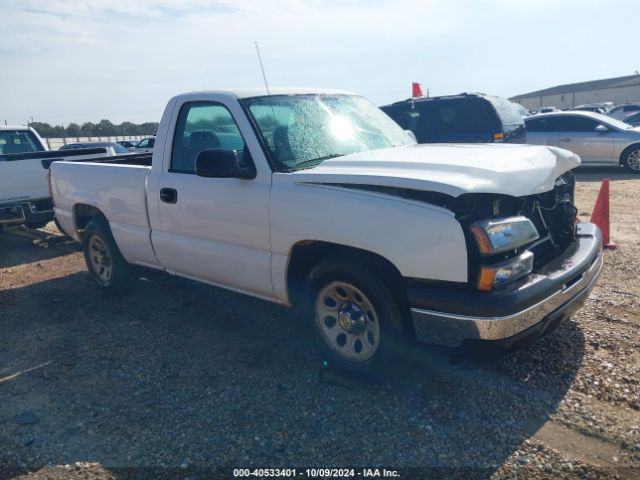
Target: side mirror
column 223, row 163
column 602, row 129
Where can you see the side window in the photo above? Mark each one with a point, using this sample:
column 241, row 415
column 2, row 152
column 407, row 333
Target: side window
column 577, row 124
column 202, row 125
column 554, row 124
column 536, row 125
column 143, row 143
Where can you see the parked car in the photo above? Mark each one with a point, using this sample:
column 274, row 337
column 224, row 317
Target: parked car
column 328, row 205
column 591, row 107
column 128, row 144
column 117, row 148
column 145, row 145
column 620, row 111
column 598, row 139
column 464, row 118
column 633, row 119
column 24, row 163
column 548, row 109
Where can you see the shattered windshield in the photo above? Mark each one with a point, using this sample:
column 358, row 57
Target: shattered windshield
column 300, row 131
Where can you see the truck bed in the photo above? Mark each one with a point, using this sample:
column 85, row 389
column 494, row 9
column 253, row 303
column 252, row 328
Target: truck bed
column 117, row 189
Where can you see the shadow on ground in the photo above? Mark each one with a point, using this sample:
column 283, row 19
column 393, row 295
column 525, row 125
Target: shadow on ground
column 183, row 374
column 597, row 174
column 20, row 245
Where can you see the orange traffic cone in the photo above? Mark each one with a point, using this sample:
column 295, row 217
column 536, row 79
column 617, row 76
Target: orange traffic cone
column 600, row 215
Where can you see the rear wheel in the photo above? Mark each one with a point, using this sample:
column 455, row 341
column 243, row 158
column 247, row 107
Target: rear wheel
column 631, row 159
column 104, row 261
column 356, row 319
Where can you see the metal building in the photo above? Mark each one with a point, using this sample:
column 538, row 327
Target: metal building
column 617, row 90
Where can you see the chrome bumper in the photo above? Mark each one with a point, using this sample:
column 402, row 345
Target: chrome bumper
column 450, row 330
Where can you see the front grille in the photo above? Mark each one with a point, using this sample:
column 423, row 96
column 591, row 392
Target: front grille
column 554, row 216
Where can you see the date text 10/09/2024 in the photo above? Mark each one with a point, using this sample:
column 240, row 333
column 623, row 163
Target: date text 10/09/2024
column 316, row 472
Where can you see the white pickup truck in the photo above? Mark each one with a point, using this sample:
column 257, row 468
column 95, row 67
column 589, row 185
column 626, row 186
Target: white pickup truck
column 317, row 199
column 24, row 166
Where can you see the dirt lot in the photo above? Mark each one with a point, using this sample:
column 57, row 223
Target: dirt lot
column 178, row 380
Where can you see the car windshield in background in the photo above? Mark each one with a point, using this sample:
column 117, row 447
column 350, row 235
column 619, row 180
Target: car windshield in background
column 509, row 113
column 19, row 141
column 613, row 121
column 301, row 131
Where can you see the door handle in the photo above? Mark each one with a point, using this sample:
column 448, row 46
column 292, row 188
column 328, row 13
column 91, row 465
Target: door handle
column 168, row 195
column 566, row 139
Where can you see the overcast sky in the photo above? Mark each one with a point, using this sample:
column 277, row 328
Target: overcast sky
column 76, row 61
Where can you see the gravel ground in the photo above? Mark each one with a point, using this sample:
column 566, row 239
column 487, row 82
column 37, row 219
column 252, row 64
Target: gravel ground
column 180, row 380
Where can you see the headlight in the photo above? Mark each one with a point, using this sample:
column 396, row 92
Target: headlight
column 495, row 276
column 502, row 235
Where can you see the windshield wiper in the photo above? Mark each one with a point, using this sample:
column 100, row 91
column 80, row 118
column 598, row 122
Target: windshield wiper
column 315, row 161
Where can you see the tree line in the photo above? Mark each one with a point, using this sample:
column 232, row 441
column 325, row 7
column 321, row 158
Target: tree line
column 104, row 128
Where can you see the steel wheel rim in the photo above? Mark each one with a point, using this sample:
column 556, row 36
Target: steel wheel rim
column 100, row 259
column 633, row 160
column 347, row 321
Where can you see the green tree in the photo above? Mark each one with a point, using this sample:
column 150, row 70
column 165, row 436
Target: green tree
column 43, row 129
column 73, row 130
column 88, row 129
column 105, row 128
column 58, row 131
column 148, row 128
column 128, row 128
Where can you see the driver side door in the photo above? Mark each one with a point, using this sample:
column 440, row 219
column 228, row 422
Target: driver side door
column 214, row 230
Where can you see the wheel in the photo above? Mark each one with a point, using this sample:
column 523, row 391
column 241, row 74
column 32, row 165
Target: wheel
column 104, row 261
column 356, row 319
column 631, row 159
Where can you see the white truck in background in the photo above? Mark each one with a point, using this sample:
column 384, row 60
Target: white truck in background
column 317, row 199
column 24, row 166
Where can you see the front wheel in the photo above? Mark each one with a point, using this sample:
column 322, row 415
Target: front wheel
column 356, row 319
column 631, row 160
column 104, row 261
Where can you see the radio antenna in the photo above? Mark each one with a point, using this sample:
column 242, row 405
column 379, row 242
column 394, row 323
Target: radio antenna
column 264, row 76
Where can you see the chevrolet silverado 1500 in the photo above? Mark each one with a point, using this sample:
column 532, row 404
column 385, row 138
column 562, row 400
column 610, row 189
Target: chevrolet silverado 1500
column 317, row 199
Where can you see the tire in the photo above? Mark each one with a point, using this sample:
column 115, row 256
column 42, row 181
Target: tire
column 631, row 159
column 105, row 263
column 356, row 320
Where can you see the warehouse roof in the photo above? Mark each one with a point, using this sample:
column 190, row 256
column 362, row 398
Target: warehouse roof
column 626, row 81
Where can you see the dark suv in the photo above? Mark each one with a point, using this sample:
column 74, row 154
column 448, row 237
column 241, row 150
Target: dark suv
column 464, row 118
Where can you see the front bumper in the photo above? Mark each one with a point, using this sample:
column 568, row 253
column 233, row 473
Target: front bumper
column 528, row 310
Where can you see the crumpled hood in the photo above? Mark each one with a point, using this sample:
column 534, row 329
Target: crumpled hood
column 452, row 169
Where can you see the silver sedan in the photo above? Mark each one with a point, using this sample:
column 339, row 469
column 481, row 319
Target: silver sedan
column 598, row 139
